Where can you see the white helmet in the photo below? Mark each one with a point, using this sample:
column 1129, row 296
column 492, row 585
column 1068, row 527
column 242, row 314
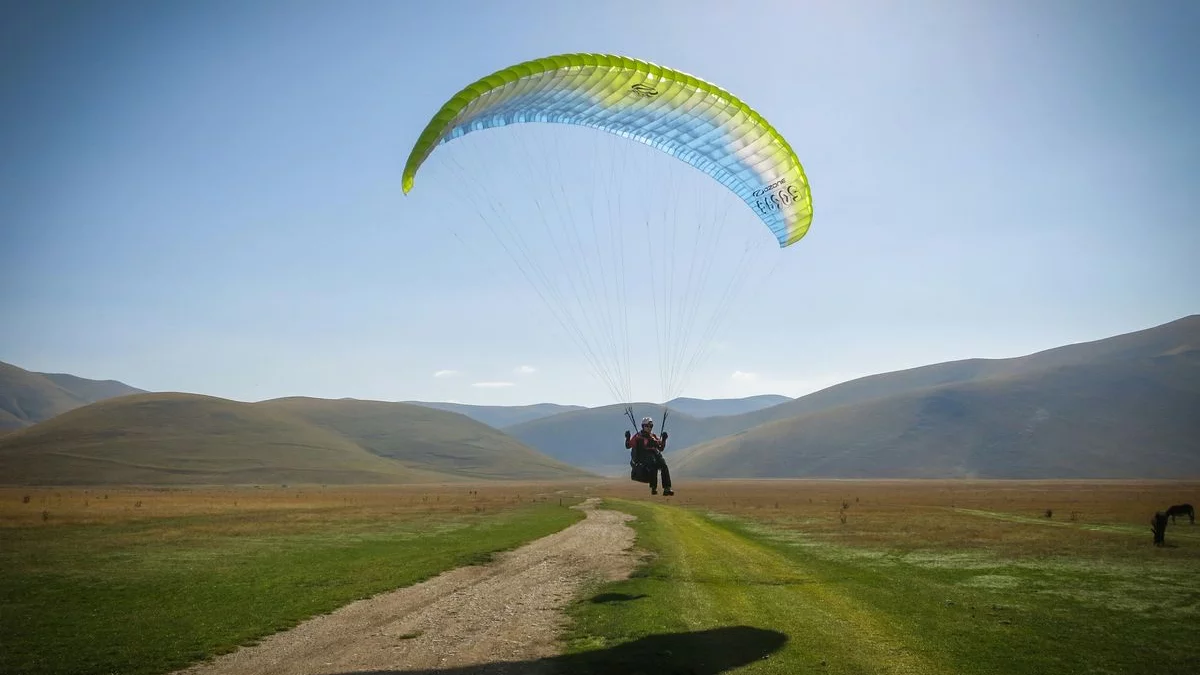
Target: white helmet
column 646, row 421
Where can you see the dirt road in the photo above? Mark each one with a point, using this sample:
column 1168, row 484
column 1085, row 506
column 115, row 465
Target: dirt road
column 496, row 618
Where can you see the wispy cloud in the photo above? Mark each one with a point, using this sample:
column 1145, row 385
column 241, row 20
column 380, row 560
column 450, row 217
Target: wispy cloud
column 445, row 373
column 492, row 385
column 743, row 376
column 524, row 370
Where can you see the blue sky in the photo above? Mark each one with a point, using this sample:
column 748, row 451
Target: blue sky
column 205, row 197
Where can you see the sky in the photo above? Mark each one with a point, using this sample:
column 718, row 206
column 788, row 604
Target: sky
column 205, row 196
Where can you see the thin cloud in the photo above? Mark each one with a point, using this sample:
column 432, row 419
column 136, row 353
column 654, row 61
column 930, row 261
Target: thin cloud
column 493, row 385
column 743, row 376
column 524, row 370
column 445, row 373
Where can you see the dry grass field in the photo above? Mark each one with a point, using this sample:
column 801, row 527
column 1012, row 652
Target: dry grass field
column 254, row 505
column 1093, row 518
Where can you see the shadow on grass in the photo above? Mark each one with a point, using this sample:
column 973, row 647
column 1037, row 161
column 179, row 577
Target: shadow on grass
column 705, row 652
column 604, row 598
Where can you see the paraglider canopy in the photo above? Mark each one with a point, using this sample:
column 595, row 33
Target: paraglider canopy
column 685, row 117
column 629, row 218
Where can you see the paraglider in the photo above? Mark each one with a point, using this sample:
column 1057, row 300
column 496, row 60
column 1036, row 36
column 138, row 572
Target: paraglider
column 589, row 248
column 646, row 457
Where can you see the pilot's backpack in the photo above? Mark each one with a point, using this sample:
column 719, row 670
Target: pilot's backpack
column 640, row 472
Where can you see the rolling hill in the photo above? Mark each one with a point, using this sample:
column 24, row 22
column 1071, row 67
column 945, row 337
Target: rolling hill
column 27, row 397
column 419, row 436
column 585, row 434
column 1126, row 420
column 176, row 438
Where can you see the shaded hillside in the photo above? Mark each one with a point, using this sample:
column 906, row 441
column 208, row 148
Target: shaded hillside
column 27, row 397
column 1139, row 345
column 192, row 439
column 91, row 390
column 1127, row 420
column 500, row 416
column 433, row 439
column 698, row 407
column 583, row 434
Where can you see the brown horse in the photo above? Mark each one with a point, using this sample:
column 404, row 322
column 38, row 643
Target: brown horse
column 1181, row 510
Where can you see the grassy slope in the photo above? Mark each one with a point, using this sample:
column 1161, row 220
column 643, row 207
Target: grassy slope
column 187, row 439
column 1125, row 420
column 192, row 439
column 27, row 397
column 722, row 595
column 1135, row 346
column 433, row 439
column 152, row 596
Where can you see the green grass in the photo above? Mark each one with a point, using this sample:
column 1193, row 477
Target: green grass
column 722, row 594
column 152, row 596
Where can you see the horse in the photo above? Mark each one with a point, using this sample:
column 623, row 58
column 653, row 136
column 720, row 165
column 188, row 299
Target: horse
column 1158, row 525
column 1180, row 510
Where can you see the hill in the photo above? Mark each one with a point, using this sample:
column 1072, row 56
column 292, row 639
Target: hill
column 584, row 434
column 698, row 407
column 1134, row 346
column 91, row 390
column 500, row 416
column 190, row 439
column 419, row 436
column 27, row 397
column 1130, row 419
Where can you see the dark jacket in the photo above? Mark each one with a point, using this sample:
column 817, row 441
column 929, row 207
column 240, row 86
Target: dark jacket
column 643, row 444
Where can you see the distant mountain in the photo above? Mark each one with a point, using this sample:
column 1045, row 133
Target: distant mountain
column 593, row 438
column 499, row 416
column 584, row 438
column 698, row 407
column 502, row 417
column 28, row 397
column 1132, row 419
column 173, row 438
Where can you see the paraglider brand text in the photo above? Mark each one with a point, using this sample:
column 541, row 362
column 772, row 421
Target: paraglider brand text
column 775, row 196
column 644, row 90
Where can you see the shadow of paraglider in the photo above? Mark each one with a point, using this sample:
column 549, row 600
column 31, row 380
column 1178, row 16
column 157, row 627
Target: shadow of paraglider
column 605, row 598
column 705, row 652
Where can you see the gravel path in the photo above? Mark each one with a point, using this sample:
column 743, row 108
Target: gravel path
column 492, row 619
